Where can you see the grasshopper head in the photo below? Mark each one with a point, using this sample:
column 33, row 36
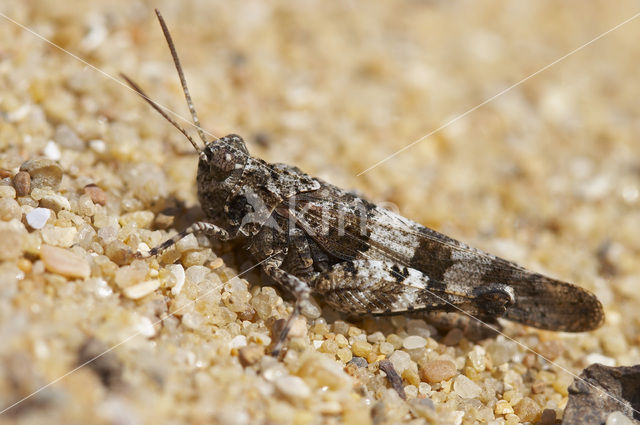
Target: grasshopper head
column 220, row 158
column 220, row 169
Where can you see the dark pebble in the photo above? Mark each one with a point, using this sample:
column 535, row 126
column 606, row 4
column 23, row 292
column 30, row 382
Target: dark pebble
column 22, row 183
column 358, row 361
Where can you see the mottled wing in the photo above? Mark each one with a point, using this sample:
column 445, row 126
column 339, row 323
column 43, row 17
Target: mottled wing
column 382, row 287
column 353, row 229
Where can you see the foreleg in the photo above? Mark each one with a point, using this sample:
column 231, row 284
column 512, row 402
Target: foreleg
column 200, row 227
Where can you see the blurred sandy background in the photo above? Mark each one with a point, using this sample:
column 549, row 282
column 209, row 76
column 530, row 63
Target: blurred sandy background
column 547, row 174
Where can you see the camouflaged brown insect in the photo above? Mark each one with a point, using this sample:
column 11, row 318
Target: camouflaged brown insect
column 315, row 238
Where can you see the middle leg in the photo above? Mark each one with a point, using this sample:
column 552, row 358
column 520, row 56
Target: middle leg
column 300, row 290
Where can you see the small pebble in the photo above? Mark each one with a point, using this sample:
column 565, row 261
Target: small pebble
column 138, row 219
column 376, row 337
column 386, row 348
column 424, row 389
column 477, row 358
column 196, row 274
column 38, row 217
column 503, row 408
column 259, row 338
column 424, row 407
column 298, row 327
column 7, row 192
column 548, row 417
column 599, row 358
column 465, row 387
column 177, row 271
column 419, row 327
column 238, row 341
column 250, row 354
column 527, row 409
column 437, row 371
column 344, row 354
column 216, row 264
column 395, row 340
column 411, row 391
column 354, row 331
column 513, row 397
column 501, row 350
column 513, row 380
column 411, row 376
column 19, row 113
column 24, row 265
column 341, row 340
column 311, row 309
column 561, row 384
column 22, row 183
column 618, row 418
column 551, row 349
column 44, row 172
column 292, row 387
column 163, row 221
column 271, row 368
column 12, row 236
column 413, row 342
column 538, row 387
column 146, row 181
column 102, row 288
column 98, row 146
column 401, row 360
column 108, row 234
column 187, row 243
column 145, row 327
column 511, row 419
column 359, row 361
column 52, row 151
column 59, row 236
column 352, row 414
column 10, row 209
column 97, row 195
column 328, row 346
column 194, row 258
column 325, row 372
column 485, row 415
column 361, row 348
column 192, row 320
column 85, row 206
column 141, row 289
column 50, row 199
column 614, row 342
column 340, row 327
column 64, row 262
column 67, row 138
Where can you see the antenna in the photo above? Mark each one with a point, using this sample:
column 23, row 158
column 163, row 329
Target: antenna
column 157, row 107
column 183, row 81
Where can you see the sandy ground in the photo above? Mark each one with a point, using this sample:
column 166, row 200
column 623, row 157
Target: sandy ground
column 545, row 174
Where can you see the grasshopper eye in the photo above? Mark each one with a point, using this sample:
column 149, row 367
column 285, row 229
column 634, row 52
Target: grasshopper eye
column 221, row 158
column 234, row 143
